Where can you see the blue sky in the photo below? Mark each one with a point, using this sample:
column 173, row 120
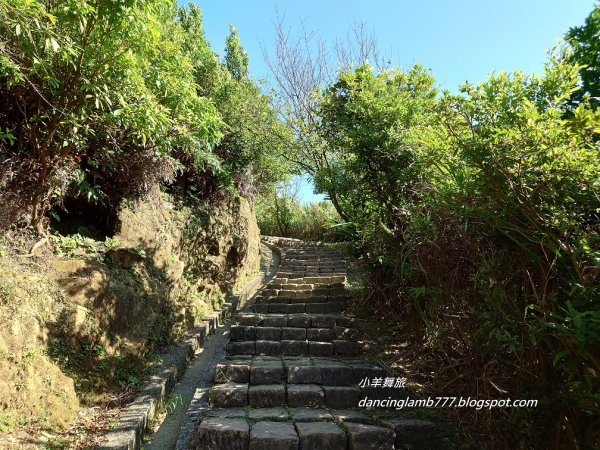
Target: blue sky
column 458, row 40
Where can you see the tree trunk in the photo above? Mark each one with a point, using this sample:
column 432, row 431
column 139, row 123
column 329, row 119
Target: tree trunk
column 338, row 208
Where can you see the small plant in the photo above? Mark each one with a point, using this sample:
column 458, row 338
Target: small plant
column 111, row 243
column 29, row 353
column 6, row 422
column 132, row 381
column 172, row 402
column 138, row 251
column 67, row 245
column 6, row 293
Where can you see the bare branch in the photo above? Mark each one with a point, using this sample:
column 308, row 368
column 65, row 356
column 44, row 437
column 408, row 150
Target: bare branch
column 301, row 64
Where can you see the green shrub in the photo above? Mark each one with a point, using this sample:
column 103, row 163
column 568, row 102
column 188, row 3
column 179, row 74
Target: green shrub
column 104, row 100
column 281, row 214
column 485, row 204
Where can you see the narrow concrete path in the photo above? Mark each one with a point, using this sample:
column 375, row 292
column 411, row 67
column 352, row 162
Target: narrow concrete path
column 293, row 378
column 198, row 374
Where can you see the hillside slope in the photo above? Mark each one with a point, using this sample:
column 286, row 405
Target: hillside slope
column 82, row 320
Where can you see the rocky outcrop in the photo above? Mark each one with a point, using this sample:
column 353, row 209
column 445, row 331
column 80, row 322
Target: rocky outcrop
column 72, row 325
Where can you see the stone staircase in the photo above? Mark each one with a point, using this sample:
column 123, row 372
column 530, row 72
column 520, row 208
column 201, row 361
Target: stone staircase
column 292, row 374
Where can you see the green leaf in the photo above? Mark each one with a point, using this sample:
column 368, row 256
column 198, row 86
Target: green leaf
column 54, row 44
column 558, row 357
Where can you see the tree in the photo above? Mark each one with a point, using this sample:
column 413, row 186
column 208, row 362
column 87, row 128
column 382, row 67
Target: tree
column 372, row 125
column 301, row 65
column 207, row 71
column 280, row 212
column 236, row 58
column 254, row 137
column 585, row 43
column 246, row 155
column 82, row 81
column 278, row 209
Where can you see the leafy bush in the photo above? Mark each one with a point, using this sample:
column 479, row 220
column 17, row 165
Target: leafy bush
column 485, row 204
column 281, row 214
column 89, row 81
column 104, row 100
column 525, row 182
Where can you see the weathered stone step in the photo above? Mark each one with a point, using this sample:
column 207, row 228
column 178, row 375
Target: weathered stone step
column 314, row 254
column 248, row 332
column 300, row 272
column 240, row 395
column 290, row 347
column 312, row 429
column 304, row 291
column 325, row 280
column 296, row 371
column 299, row 286
column 272, row 295
column 314, row 266
column 297, row 320
column 300, row 307
column 260, row 299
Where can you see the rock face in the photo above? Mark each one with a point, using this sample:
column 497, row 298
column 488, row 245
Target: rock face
column 63, row 318
column 292, row 375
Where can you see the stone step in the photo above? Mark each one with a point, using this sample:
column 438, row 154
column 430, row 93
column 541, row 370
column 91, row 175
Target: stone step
column 339, row 301
column 323, row 258
column 248, row 333
column 292, row 256
column 299, row 307
column 306, row 370
column 297, row 320
column 240, row 395
column 300, row 272
column 291, row 347
column 301, row 298
column 335, row 280
column 314, row 267
column 333, row 266
column 303, row 291
column 315, row 414
column 303, row 285
column 289, row 264
column 311, row 429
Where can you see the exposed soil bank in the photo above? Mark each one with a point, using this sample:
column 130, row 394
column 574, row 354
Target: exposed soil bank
column 200, row 372
column 82, row 321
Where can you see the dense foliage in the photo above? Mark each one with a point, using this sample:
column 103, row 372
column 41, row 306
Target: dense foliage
column 372, row 125
column 479, row 214
column 280, row 213
column 104, row 99
column 585, row 43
